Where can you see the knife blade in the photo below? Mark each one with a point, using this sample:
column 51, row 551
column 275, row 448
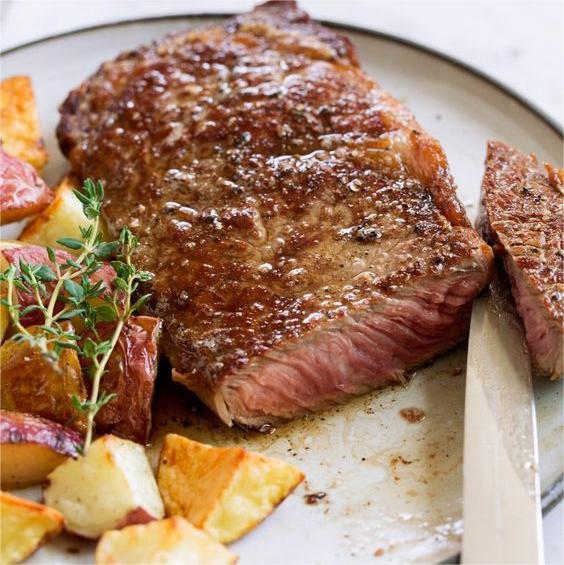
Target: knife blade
column 502, row 510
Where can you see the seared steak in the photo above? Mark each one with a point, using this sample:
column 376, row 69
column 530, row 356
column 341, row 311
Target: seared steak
column 522, row 217
column 303, row 229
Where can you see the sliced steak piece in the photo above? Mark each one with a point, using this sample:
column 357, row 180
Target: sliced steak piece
column 523, row 218
column 303, row 229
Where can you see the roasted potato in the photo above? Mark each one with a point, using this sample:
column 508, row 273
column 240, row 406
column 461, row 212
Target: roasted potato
column 131, row 374
column 225, row 491
column 22, row 191
column 110, row 487
column 31, row 447
column 24, row 526
column 19, row 125
column 33, row 384
column 173, row 540
column 4, row 264
column 12, row 252
column 62, row 218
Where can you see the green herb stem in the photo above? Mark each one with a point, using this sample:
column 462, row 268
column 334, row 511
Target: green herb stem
column 78, row 294
column 49, row 314
column 12, row 309
column 100, row 369
column 93, row 406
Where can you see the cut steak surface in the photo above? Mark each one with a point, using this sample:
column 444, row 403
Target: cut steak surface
column 523, row 218
column 304, row 231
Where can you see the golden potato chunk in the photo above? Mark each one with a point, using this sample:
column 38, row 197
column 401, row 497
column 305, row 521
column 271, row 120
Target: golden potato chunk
column 62, row 218
column 19, row 125
column 173, row 540
column 24, row 526
column 31, row 447
column 32, row 383
column 110, row 487
column 225, row 491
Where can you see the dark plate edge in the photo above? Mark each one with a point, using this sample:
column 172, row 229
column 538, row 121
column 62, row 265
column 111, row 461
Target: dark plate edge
column 455, row 62
column 555, row 493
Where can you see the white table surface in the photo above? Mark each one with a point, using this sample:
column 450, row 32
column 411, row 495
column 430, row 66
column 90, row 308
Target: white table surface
column 520, row 43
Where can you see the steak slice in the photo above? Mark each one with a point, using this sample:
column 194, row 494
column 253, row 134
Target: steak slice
column 303, row 229
column 522, row 217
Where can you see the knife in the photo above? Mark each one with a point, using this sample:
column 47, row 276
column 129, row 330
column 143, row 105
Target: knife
column 502, row 510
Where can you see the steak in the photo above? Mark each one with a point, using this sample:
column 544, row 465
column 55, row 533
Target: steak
column 304, row 231
column 522, row 217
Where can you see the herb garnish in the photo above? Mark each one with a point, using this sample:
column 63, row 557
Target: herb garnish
column 77, row 298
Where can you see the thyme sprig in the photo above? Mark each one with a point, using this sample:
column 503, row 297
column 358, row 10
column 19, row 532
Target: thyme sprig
column 67, row 291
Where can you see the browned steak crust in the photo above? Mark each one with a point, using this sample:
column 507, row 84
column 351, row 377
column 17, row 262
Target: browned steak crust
column 284, row 202
column 523, row 218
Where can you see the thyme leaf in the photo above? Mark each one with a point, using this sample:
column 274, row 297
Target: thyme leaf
column 68, row 283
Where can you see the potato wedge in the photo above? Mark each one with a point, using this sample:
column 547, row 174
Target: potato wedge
column 225, row 491
column 22, row 191
column 31, row 447
column 19, row 125
column 131, row 374
column 62, row 218
column 24, row 526
column 173, row 540
column 110, row 487
column 31, row 383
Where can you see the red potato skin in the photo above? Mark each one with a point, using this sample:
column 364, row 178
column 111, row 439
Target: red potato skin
column 136, row 516
column 131, row 375
column 37, row 255
column 132, row 368
column 17, row 427
column 22, row 191
column 132, row 518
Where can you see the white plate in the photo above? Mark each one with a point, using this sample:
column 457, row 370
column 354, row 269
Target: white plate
column 393, row 488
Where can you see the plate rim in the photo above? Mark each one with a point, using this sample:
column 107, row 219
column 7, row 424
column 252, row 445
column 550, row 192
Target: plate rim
column 555, row 493
column 454, row 61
